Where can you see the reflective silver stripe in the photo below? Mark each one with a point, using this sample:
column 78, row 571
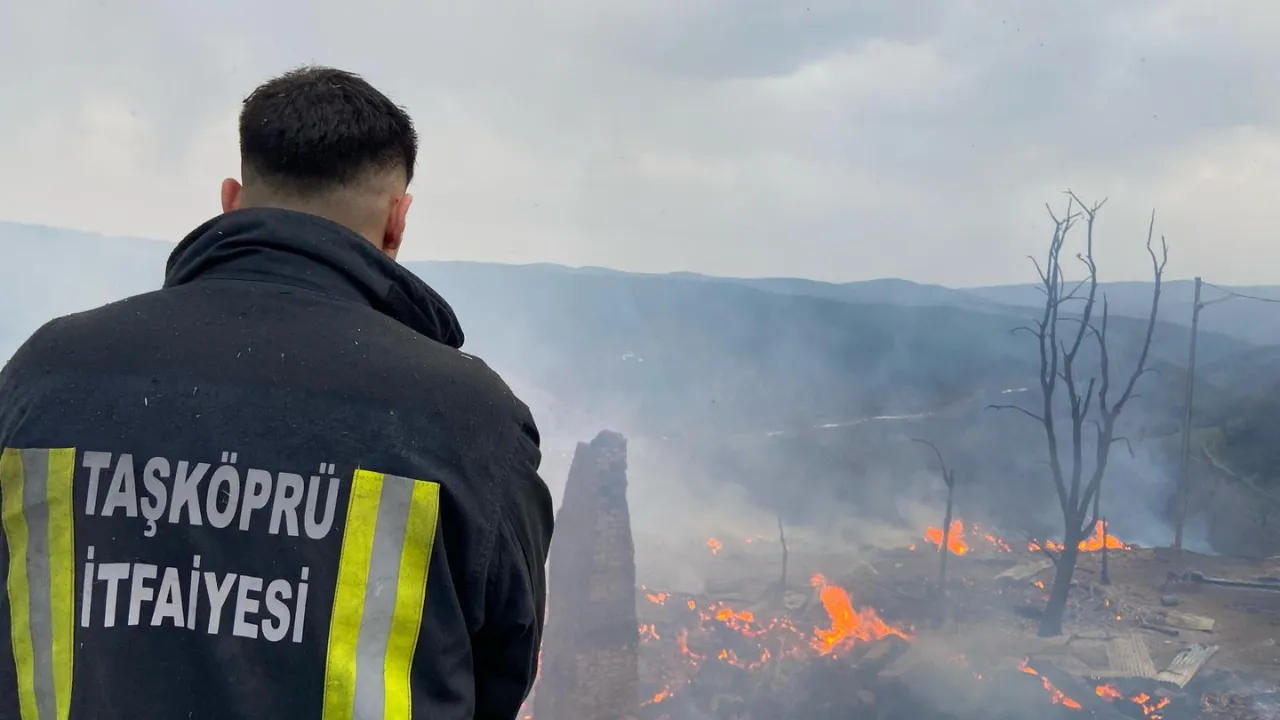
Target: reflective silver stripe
column 380, row 596
column 35, row 507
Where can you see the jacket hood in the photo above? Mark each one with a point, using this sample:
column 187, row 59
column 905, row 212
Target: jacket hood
column 301, row 250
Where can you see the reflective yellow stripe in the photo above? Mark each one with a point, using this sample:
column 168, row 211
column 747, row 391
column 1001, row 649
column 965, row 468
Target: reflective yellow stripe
column 387, row 542
column 62, row 572
column 348, row 596
column 15, row 533
column 411, row 596
column 39, row 526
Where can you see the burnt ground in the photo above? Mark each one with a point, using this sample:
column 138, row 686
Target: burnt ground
column 1246, row 621
column 990, row 625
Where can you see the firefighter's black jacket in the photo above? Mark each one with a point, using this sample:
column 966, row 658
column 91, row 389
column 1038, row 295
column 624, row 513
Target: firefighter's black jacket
column 275, row 488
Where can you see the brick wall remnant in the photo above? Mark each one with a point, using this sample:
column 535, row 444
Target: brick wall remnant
column 590, row 665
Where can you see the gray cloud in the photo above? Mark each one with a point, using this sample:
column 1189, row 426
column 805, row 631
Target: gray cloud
column 827, row 139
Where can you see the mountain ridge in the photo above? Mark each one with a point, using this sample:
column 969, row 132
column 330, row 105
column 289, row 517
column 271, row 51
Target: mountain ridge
column 1253, row 322
column 745, row 381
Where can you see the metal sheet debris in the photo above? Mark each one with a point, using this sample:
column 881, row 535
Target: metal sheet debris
column 1185, row 666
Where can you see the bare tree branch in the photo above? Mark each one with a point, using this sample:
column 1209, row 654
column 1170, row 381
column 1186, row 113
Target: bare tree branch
column 1041, row 545
column 1077, row 480
column 1024, row 411
column 948, row 476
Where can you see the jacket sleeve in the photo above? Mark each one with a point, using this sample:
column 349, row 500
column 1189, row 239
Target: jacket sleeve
column 507, row 643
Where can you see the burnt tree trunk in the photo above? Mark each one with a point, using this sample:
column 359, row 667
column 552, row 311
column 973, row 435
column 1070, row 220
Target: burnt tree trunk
column 782, row 539
column 1064, row 570
column 946, row 542
column 1087, row 400
column 940, row 601
column 944, row 548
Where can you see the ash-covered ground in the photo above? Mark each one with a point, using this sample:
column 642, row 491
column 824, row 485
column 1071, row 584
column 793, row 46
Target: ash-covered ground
column 862, row 632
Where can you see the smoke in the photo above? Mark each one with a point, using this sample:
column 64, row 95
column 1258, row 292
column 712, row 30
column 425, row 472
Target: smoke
column 744, row 404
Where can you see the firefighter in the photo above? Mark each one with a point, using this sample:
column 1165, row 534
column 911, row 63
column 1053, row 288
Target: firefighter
column 276, row 487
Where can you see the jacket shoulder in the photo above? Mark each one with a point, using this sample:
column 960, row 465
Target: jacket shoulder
column 485, row 390
column 62, row 335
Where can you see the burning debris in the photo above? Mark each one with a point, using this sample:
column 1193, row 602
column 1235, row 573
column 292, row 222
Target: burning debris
column 701, row 654
column 841, row 649
column 691, row 633
column 858, row 642
column 848, row 626
column 962, row 539
column 1056, row 696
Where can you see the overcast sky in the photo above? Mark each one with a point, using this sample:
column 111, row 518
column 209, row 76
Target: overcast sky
column 833, row 139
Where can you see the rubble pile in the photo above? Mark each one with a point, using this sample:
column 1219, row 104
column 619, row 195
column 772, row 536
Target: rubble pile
column 1127, row 654
column 871, row 633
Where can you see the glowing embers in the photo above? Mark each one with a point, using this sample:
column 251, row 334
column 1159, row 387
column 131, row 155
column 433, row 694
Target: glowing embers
column 740, row 638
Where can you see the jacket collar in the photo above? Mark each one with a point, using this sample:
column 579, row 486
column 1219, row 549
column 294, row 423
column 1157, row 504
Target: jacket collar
column 301, row 250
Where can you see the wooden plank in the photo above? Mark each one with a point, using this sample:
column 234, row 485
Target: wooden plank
column 1128, row 656
column 1260, row 584
column 1185, row 666
column 1186, row 621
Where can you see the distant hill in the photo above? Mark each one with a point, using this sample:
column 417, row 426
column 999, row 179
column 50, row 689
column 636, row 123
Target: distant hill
column 1246, row 412
column 892, row 291
column 658, row 352
column 751, row 381
column 1252, row 321
column 48, row 272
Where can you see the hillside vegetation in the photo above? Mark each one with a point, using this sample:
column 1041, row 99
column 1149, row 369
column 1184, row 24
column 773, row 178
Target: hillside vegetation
column 739, row 377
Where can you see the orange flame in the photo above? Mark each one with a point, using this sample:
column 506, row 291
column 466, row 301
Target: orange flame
column 1056, row 696
column 1096, row 542
column 774, row 638
column 955, row 539
column 1108, row 692
column 715, row 545
column 1093, row 543
column 1150, row 706
column 960, row 539
column 848, row 626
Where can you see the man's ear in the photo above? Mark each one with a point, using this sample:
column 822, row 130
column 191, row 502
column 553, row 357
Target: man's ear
column 232, row 195
column 396, row 221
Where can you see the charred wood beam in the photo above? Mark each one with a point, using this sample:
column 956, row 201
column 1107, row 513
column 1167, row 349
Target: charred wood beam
column 1273, row 585
column 1075, row 689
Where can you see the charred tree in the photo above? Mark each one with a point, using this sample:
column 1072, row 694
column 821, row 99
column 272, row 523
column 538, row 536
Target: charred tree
column 944, row 549
column 1084, row 394
column 782, row 540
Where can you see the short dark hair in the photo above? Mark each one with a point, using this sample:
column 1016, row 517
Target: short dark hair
column 314, row 128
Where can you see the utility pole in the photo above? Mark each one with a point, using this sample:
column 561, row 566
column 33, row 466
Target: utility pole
column 1185, row 479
